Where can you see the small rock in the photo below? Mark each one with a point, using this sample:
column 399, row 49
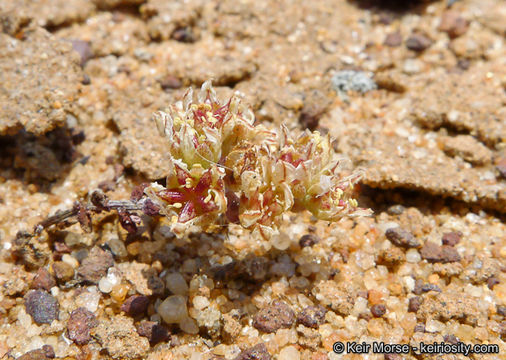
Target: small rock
column 391, row 256
column 80, row 323
column 42, row 306
column 95, row 265
column 414, row 303
column 63, row 271
column 453, row 24
column 43, row 280
column 435, row 253
column 396, row 209
column 402, row 238
column 155, row 332
column 378, row 310
column 491, row 282
column 501, row 310
column 170, row 82
column 312, row 316
column 309, row 240
column 49, row 351
column 393, row 39
column 430, row 287
column 274, row 317
column 452, row 339
column 135, row 305
column 39, row 354
column 257, row 352
column 173, row 309
column 83, row 48
column 350, row 80
column 420, row 327
column 449, row 254
column 431, row 252
column 451, row 238
column 418, row 42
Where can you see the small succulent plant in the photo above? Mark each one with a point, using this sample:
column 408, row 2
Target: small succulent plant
column 224, row 165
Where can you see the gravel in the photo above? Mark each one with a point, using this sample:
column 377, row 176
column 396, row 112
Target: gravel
column 274, row 317
column 42, row 306
column 80, row 323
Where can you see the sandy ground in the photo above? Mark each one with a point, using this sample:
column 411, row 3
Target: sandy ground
column 413, row 92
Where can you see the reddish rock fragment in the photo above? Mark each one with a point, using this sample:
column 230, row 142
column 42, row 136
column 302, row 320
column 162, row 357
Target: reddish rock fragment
column 155, row 332
column 431, row 252
column 378, row 310
column 414, row 303
column 43, row 280
column 402, row 238
column 453, row 24
column 95, row 265
column 39, row 354
column 418, row 42
column 393, row 39
column 257, row 352
column 501, row 167
column 42, row 306
column 80, row 323
column 274, row 317
column 312, row 316
column 451, row 238
column 309, row 240
column 135, row 305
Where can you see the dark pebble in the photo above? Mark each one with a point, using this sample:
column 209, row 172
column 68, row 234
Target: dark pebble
column 402, row 238
column 312, row 316
column 501, row 310
column 453, row 24
column 257, row 352
column 95, row 265
column 415, row 303
column 418, row 287
column 170, row 82
column 155, row 332
column 80, row 323
column 135, row 305
column 184, row 35
column 378, row 310
column 43, row 280
column 49, row 351
column 397, row 209
column 308, row 240
column 451, row 238
column 84, row 50
column 451, row 339
column 38, row 354
column 418, row 42
column 42, row 306
column 156, row 285
column 274, row 317
column 442, row 254
column 430, row 287
column 492, row 281
column 393, row 39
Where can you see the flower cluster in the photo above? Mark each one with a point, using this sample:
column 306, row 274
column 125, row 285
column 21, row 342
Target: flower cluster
column 223, row 166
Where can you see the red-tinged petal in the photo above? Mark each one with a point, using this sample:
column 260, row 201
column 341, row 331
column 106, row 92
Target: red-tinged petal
column 206, row 206
column 342, row 202
column 204, row 182
column 232, row 212
column 172, row 195
column 187, row 213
